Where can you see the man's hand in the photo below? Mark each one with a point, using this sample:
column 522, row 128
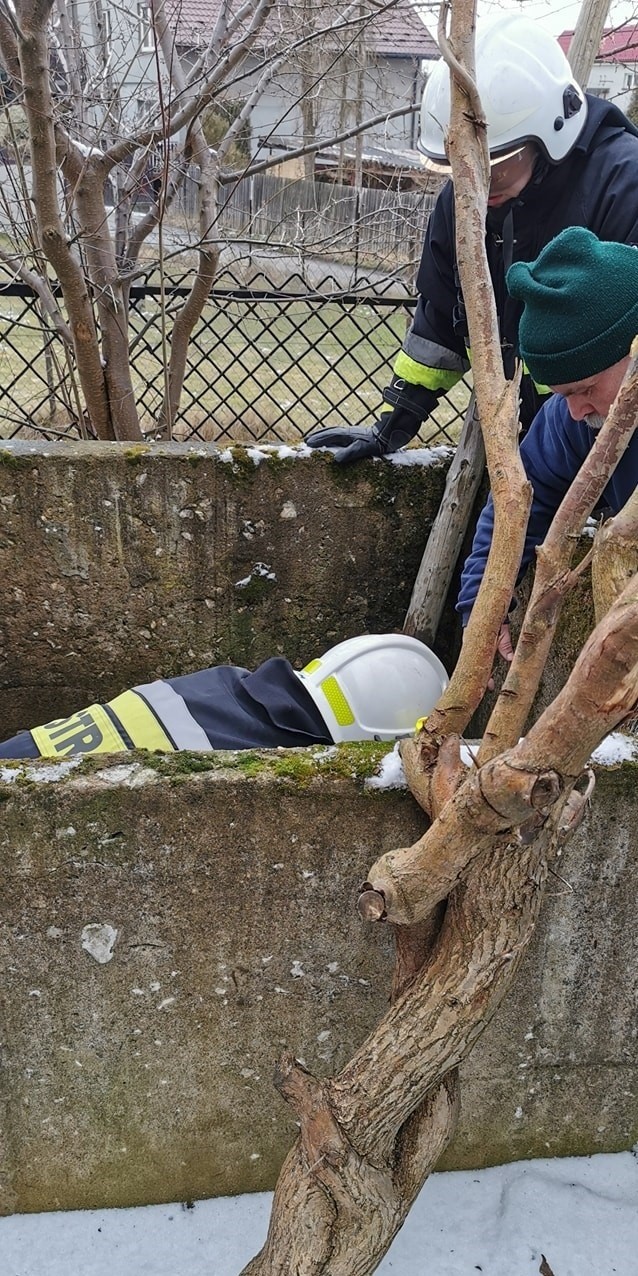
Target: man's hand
column 504, row 648
column 411, row 405
column 349, row 444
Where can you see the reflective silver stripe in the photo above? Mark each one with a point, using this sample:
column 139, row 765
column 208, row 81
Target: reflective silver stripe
column 431, row 355
column 173, row 714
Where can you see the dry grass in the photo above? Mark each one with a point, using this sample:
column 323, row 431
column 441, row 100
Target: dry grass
column 258, row 370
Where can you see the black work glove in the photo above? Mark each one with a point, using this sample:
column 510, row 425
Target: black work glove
column 412, row 404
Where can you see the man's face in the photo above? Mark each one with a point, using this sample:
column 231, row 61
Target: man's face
column 510, row 176
column 594, row 396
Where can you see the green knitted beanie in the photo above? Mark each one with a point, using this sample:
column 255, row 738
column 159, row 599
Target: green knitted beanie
column 581, row 306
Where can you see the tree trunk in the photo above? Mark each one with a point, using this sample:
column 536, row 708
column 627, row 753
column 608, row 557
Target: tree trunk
column 370, row 1135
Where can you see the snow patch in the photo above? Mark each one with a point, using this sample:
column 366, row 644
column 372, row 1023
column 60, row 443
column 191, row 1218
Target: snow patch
column 262, row 570
column 391, row 774
column 580, row 1212
column 39, row 772
column 425, row 456
column 616, row 748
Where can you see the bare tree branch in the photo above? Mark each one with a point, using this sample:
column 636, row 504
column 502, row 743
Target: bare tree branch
column 553, row 578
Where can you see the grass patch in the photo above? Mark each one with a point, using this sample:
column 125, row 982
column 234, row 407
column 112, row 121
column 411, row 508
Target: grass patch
column 259, row 370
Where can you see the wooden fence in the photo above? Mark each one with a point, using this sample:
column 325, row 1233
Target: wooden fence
column 321, row 218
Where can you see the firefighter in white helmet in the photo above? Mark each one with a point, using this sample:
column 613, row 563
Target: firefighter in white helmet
column 559, row 158
column 373, row 687
column 527, row 91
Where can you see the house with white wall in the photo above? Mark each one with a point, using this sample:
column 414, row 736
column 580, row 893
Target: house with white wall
column 369, row 69
column 614, row 74
column 329, row 77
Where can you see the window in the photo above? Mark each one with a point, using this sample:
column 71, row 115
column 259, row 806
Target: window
column 145, row 28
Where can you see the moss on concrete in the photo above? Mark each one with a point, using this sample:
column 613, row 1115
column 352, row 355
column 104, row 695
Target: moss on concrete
column 355, row 761
column 15, row 460
column 139, row 452
column 358, row 760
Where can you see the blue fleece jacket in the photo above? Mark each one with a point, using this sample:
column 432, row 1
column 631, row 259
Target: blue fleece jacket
column 552, row 452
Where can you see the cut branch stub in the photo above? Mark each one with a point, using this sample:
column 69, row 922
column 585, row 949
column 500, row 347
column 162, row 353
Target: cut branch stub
column 546, row 790
column 487, row 810
column 576, row 805
column 371, row 904
column 512, row 793
column 321, row 1138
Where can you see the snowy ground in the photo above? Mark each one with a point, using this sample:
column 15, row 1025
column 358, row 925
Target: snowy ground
column 571, row 1217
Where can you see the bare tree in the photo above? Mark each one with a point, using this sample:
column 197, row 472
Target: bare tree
column 67, row 67
column 465, row 898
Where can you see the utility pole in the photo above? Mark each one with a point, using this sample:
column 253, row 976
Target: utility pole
column 586, row 39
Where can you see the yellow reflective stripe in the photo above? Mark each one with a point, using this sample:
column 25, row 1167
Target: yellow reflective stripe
column 87, row 731
column 337, row 701
column 420, row 723
column 540, row 389
column 312, row 666
column 140, row 723
column 419, row 374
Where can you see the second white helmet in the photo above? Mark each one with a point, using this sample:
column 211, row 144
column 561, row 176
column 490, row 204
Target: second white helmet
column 375, row 687
column 527, row 91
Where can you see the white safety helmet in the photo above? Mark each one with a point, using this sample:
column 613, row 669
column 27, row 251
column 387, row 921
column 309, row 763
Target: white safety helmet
column 527, row 91
column 374, row 687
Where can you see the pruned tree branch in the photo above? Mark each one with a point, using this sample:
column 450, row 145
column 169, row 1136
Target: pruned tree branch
column 499, row 798
column 553, row 577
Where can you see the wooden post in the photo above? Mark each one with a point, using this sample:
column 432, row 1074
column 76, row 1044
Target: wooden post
column 450, row 525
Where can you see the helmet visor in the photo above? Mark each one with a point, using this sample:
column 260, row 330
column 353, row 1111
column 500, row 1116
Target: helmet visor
column 443, row 167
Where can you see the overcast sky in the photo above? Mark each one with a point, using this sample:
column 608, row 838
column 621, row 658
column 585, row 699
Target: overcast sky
column 554, row 14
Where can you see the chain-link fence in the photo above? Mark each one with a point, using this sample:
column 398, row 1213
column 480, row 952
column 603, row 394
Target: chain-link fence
column 265, row 364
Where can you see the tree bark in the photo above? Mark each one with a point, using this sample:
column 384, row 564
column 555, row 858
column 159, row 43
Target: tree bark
column 465, row 898
column 362, row 1153
column 371, row 1135
column 86, row 177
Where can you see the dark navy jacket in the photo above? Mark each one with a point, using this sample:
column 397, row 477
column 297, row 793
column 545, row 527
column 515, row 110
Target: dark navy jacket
column 596, row 186
column 225, row 707
column 552, row 453
column 243, row 710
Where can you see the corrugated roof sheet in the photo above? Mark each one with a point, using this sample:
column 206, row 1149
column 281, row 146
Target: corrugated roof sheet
column 397, row 32
column 618, row 44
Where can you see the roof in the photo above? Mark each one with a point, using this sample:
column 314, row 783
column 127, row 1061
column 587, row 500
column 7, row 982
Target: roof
column 618, row 44
column 396, row 32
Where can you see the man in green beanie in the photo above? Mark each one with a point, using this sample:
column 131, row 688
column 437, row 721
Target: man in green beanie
column 580, row 317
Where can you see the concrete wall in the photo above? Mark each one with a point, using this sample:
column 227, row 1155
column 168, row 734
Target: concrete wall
column 230, row 891
column 168, row 933
column 118, row 565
